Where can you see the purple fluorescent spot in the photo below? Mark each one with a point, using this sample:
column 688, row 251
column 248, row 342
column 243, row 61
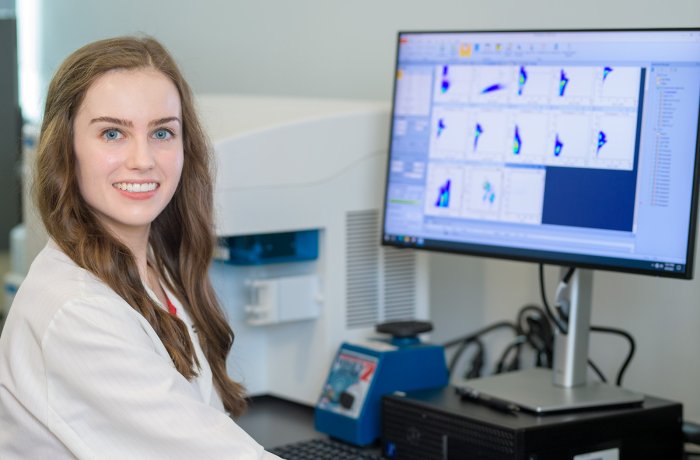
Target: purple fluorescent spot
column 558, row 146
column 492, row 88
column 563, row 81
column 477, row 133
column 441, row 127
column 602, row 140
column 517, row 142
column 522, row 79
column 443, row 200
column 445, row 84
column 606, row 72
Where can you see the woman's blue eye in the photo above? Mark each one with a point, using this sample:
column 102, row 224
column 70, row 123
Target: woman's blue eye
column 162, row 134
column 111, row 134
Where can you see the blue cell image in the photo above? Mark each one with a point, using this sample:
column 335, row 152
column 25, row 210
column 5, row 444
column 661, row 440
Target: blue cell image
column 489, row 195
column 445, row 84
column 493, row 88
column 440, row 127
column 558, row 146
column 478, row 131
column 606, row 72
column 517, row 141
column 443, row 200
column 522, row 79
column 563, row 82
column 602, row 140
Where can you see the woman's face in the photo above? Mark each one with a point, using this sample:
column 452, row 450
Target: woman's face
column 128, row 148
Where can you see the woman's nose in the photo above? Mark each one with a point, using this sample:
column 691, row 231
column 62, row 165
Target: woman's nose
column 140, row 155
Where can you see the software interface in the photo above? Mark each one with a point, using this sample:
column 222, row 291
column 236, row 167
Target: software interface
column 546, row 143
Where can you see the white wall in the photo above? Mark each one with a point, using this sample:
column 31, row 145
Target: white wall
column 329, row 48
column 326, row 48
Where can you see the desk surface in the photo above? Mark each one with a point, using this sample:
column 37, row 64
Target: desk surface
column 273, row 422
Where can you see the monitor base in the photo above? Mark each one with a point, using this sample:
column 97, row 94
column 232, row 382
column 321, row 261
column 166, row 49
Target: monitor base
column 532, row 390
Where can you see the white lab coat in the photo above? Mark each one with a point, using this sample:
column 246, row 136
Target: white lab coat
column 82, row 374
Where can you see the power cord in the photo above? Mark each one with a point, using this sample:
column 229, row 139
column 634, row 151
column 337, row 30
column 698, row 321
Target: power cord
column 561, row 321
column 475, row 338
column 534, row 327
column 514, row 348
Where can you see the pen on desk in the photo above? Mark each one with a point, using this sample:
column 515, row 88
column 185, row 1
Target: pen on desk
column 494, row 403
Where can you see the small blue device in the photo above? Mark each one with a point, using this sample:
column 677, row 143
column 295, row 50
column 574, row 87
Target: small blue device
column 350, row 404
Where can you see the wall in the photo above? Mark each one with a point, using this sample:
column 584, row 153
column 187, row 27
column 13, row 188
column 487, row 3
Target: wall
column 9, row 128
column 7, row 6
column 316, row 47
column 346, row 49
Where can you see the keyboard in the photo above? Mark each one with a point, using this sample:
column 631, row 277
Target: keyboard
column 323, row 449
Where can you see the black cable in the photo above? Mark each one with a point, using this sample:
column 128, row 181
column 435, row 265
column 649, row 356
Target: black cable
column 538, row 332
column 538, row 335
column 563, row 284
column 514, row 365
column 457, row 354
column 630, row 353
column 603, row 329
column 480, row 332
column 463, row 342
column 477, row 362
column 595, row 368
column 543, row 293
column 525, row 309
column 568, row 275
column 455, row 357
column 534, row 329
column 563, row 327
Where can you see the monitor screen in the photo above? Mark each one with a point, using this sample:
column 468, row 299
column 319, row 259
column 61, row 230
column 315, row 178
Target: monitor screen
column 575, row 148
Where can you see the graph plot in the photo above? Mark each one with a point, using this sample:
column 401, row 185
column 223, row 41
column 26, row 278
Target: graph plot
column 570, row 139
column 531, row 133
column 575, row 86
column 490, row 137
column 450, row 133
column 443, row 199
column 444, row 185
column 615, row 140
column 452, row 83
column 483, row 193
column 491, row 84
column 618, row 87
column 569, row 116
column 523, row 195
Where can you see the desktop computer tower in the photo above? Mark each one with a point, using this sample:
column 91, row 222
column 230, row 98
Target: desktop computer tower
column 439, row 425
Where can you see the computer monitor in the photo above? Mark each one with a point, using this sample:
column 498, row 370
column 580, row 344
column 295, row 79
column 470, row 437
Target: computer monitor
column 574, row 148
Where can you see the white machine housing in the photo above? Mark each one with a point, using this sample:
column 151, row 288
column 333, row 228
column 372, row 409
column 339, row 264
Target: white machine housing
column 286, row 165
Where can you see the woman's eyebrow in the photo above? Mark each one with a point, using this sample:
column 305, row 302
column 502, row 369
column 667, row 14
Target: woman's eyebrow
column 129, row 124
column 162, row 121
column 116, row 121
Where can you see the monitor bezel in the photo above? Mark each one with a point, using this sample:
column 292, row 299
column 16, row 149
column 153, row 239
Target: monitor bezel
column 536, row 255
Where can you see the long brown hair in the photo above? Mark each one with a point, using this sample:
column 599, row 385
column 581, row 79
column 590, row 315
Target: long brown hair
column 181, row 237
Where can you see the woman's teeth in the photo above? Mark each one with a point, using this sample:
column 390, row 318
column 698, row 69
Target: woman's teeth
column 128, row 187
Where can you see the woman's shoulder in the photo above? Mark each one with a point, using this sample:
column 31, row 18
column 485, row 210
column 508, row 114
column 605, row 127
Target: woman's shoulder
column 55, row 282
column 53, row 272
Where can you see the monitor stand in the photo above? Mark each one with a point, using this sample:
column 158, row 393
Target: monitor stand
column 564, row 388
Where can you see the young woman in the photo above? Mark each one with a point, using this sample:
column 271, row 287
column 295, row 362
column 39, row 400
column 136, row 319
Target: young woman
column 116, row 346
